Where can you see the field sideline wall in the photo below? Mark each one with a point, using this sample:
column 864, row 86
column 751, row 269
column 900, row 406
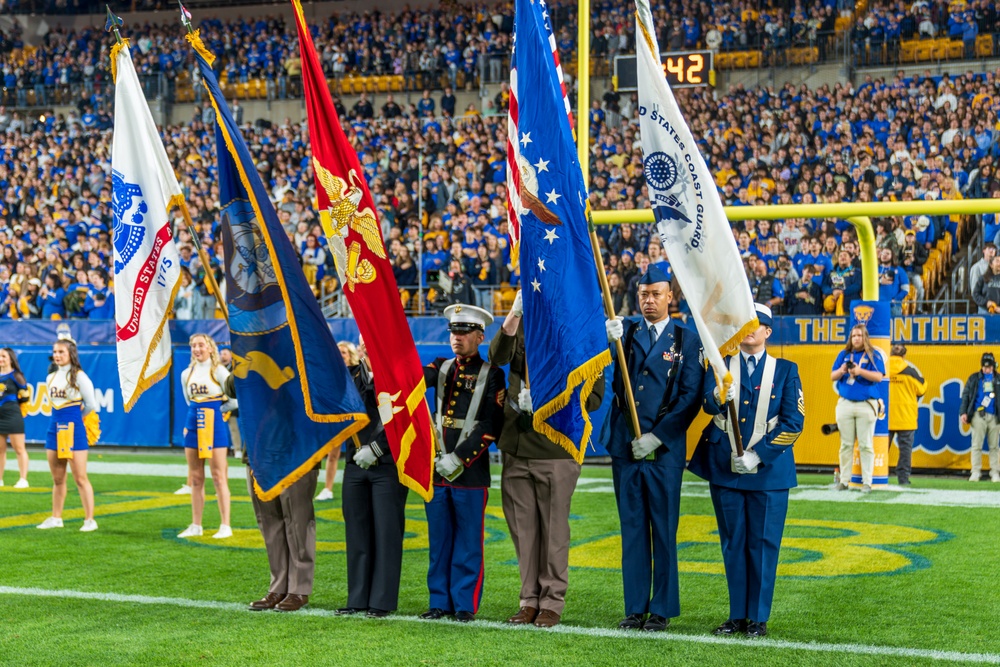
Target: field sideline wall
column 946, row 349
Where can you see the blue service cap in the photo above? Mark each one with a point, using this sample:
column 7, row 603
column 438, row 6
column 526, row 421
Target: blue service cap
column 764, row 315
column 654, row 274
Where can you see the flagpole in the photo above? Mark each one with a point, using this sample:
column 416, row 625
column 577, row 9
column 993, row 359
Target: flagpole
column 213, row 285
column 583, row 153
column 420, row 244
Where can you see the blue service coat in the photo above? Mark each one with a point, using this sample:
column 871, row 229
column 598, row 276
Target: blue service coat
column 711, row 459
column 667, row 382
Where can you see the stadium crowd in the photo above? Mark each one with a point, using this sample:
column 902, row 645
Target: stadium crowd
column 923, row 137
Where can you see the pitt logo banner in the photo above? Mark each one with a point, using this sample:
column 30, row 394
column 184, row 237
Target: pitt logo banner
column 355, row 236
column 301, row 402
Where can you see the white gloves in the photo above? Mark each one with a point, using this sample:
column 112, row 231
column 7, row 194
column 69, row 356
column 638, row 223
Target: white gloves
column 644, row 445
column 517, row 310
column 615, row 329
column 524, row 401
column 448, row 465
column 730, row 394
column 746, row 463
column 365, row 457
column 229, row 405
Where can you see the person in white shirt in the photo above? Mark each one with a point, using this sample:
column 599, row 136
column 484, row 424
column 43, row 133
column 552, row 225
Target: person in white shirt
column 205, row 434
column 71, row 394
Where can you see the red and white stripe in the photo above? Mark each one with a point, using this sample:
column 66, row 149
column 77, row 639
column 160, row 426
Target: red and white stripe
column 514, row 207
column 513, row 168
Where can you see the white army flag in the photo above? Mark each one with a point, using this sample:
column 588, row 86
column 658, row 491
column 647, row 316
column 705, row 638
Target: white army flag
column 688, row 211
column 146, row 263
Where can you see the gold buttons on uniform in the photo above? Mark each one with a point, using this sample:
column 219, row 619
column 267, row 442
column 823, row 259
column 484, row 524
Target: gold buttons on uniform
column 744, row 419
column 451, row 402
column 640, row 387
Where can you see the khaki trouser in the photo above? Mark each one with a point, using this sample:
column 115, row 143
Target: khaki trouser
column 536, row 502
column 288, row 526
column 856, row 420
column 989, row 428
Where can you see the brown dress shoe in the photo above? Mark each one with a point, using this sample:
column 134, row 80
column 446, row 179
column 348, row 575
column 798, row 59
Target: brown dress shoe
column 524, row 616
column 269, row 601
column 292, row 602
column 546, row 619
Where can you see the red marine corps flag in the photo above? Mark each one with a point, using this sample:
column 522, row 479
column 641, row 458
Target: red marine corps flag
column 355, row 236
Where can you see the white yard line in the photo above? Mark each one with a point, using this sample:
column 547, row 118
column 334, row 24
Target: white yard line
column 691, row 489
column 757, row 644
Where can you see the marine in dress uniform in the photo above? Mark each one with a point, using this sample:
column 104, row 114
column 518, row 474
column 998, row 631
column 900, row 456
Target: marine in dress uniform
column 665, row 366
column 470, row 395
column 537, row 486
column 288, row 526
column 750, row 492
column 374, row 503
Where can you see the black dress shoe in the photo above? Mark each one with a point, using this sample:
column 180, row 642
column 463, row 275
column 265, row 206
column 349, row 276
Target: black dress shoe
column 434, row 614
column 731, row 627
column 632, row 622
column 348, row 611
column 464, row 616
column 655, row 623
column 377, row 613
column 755, row 629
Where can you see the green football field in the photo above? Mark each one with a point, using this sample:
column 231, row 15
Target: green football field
column 897, row 578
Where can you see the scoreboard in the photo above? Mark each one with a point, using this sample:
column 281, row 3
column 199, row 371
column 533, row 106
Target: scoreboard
column 683, row 69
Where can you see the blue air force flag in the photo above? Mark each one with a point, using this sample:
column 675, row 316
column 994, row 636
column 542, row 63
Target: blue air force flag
column 565, row 341
column 297, row 400
column 688, row 211
column 147, row 270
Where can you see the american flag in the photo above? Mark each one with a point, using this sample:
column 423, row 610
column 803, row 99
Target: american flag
column 514, row 205
column 564, row 339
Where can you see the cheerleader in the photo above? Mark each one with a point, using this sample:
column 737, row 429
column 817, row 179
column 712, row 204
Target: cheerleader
column 206, row 436
column 71, row 394
column 13, row 395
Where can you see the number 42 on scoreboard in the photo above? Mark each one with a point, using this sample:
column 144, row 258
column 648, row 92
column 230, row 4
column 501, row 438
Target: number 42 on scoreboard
column 682, row 69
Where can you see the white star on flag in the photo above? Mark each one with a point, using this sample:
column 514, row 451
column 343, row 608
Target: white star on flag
column 542, row 165
column 537, row 285
column 552, row 197
column 541, row 264
column 526, row 138
column 550, row 236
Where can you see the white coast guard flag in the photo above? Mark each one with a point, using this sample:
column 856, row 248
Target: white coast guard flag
column 688, row 211
column 147, row 267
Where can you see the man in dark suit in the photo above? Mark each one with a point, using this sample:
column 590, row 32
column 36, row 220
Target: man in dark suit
column 537, row 486
column 750, row 492
column 470, row 394
column 667, row 374
column 374, row 505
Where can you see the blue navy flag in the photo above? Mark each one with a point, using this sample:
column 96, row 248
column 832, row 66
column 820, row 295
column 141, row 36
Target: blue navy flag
column 297, row 400
column 565, row 341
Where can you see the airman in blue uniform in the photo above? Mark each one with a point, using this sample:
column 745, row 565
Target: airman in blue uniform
column 750, row 492
column 667, row 374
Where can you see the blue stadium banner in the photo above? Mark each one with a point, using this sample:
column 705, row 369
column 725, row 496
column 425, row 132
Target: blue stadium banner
column 564, row 338
column 297, row 400
column 147, row 425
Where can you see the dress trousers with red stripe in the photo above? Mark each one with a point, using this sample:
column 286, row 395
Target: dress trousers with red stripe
column 456, row 514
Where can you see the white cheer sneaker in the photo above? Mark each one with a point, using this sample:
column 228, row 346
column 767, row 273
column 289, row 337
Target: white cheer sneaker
column 21, row 484
column 183, row 491
column 51, row 522
column 194, row 530
column 325, row 494
column 224, row 532
column 89, row 526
